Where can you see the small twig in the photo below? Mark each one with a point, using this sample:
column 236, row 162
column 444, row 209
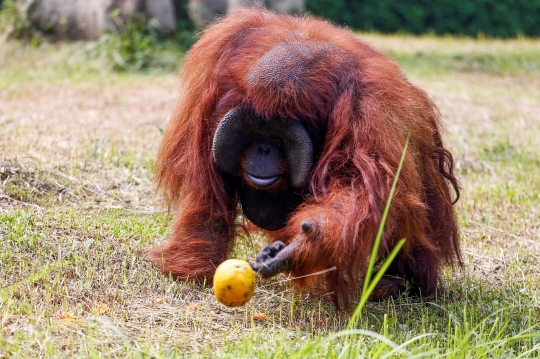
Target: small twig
column 71, row 178
column 2, row 196
column 307, row 275
column 496, row 229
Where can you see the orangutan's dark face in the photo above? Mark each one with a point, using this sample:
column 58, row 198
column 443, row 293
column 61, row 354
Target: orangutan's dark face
column 272, row 158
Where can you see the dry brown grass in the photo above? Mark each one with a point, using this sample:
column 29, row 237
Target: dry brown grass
column 76, row 192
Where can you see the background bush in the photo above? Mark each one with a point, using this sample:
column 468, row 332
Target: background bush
column 496, row 18
column 134, row 44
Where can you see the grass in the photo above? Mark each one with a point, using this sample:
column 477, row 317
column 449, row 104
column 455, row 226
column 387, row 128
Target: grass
column 519, row 56
column 78, row 212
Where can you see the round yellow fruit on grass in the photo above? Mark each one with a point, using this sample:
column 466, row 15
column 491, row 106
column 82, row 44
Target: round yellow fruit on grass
column 234, row 282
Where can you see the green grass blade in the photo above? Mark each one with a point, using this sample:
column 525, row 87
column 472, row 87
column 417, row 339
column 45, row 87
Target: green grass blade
column 309, row 348
column 384, row 268
column 34, row 277
column 369, row 285
column 365, row 295
column 377, row 242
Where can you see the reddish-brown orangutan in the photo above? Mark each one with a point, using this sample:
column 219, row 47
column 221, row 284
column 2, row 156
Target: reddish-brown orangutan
column 293, row 127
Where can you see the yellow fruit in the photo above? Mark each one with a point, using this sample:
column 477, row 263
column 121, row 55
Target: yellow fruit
column 234, row 282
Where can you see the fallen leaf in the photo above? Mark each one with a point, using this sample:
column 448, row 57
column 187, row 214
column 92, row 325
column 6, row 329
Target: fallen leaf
column 260, row 316
column 66, row 316
column 101, row 309
column 193, row 307
column 159, row 301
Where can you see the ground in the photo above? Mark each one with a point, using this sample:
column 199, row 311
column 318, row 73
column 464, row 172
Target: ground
column 78, row 211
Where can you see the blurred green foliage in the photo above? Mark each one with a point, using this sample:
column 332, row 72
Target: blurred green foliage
column 134, row 45
column 493, row 18
column 14, row 22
